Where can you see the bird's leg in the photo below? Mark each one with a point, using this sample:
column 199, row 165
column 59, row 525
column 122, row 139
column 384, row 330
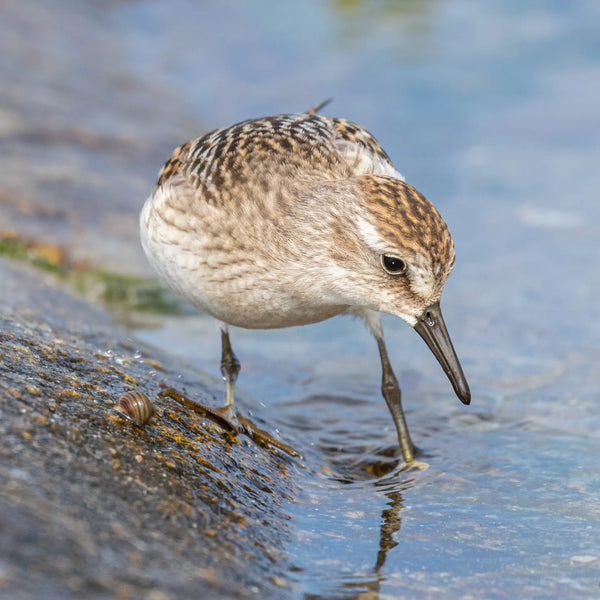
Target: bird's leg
column 391, row 393
column 225, row 416
column 230, row 368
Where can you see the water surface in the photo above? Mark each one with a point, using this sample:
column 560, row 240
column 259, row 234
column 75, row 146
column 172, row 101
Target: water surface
column 491, row 110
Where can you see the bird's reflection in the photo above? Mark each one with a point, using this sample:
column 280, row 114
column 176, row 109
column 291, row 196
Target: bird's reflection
column 368, row 588
column 390, row 524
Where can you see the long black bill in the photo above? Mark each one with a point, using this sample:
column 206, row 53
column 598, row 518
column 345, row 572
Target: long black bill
column 431, row 327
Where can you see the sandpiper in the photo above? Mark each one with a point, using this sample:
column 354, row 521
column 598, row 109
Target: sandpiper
column 293, row 219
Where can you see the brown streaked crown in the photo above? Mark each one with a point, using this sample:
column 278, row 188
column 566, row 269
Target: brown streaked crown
column 406, row 220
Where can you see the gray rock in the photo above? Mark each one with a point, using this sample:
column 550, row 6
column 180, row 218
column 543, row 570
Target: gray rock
column 92, row 505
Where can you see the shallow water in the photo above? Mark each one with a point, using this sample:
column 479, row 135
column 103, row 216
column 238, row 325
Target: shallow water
column 491, row 110
column 504, row 498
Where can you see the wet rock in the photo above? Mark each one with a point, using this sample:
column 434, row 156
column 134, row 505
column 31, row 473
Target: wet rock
column 92, row 505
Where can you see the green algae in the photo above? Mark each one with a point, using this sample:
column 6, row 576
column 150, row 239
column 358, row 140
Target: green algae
column 123, row 292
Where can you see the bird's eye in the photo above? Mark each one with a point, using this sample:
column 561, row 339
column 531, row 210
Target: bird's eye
column 393, row 264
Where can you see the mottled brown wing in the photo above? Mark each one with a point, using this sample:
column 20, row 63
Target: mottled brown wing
column 259, row 152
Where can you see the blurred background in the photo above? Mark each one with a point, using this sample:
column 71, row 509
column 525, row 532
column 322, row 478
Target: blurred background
column 492, row 111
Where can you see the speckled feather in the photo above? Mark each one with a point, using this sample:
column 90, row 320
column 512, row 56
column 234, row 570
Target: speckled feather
column 303, row 145
column 282, row 220
column 293, row 219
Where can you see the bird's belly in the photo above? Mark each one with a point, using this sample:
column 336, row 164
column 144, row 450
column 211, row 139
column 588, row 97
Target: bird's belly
column 252, row 303
column 258, row 310
column 241, row 294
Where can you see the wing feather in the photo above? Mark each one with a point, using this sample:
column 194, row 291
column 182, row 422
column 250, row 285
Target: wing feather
column 284, row 148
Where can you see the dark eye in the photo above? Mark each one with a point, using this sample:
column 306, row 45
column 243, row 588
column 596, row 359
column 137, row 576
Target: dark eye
column 393, row 264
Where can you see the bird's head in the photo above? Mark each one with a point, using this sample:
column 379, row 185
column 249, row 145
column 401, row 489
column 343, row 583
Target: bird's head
column 402, row 254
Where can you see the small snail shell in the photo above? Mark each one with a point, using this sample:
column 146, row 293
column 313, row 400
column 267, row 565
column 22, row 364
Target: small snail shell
column 135, row 406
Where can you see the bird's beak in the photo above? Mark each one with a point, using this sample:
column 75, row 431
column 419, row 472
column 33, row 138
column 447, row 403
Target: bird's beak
column 431, row 327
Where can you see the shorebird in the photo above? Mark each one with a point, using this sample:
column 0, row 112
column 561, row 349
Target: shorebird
column 292, row 219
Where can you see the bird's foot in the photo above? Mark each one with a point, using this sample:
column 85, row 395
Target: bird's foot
column 263, row 438
column 226, row 418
